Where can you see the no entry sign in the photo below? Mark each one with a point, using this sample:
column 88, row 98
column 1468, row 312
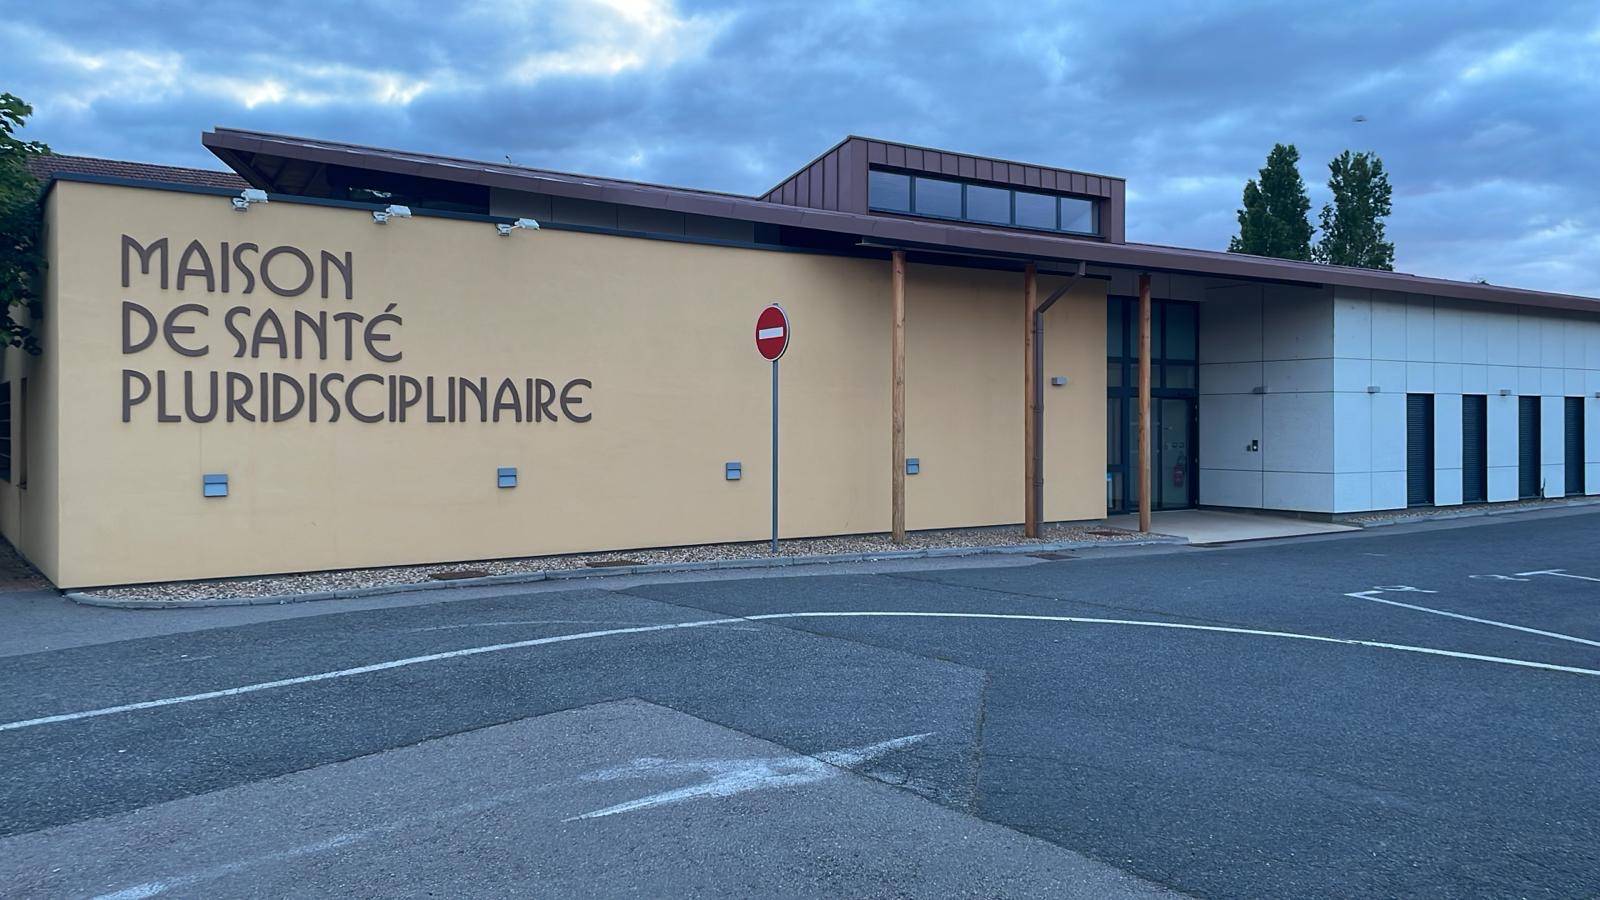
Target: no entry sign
column 772, row 332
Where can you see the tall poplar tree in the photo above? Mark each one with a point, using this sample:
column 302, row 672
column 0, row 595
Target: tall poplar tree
column 1352, row 225
column 1273, row 220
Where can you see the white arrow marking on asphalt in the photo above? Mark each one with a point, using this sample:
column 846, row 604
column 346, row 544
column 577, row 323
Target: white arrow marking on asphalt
column 1560, row 573
column 738, row 776
column 704, row 623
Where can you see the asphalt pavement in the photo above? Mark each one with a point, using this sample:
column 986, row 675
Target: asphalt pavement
column 1408, row 711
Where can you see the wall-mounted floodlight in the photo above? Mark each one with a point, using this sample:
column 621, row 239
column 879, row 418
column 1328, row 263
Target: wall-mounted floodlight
column 505, row 228
column 1505, row 392
column 247, row 197
column 393, row 211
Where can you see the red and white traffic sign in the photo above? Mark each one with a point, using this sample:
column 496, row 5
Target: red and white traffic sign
column 772, row 332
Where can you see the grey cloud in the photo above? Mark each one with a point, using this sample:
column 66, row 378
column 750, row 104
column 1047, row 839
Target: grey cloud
column 1494, row 170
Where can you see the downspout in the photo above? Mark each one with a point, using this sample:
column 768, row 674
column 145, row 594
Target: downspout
column 1038, row 387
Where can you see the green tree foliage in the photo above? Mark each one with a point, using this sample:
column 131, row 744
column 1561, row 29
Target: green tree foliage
column 1273, row 220
column 21, row 238
column 1352, row 226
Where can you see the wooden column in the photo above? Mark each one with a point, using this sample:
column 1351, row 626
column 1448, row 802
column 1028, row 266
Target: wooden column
column 1144, row 402
column 1030, row 432
column 897, row 398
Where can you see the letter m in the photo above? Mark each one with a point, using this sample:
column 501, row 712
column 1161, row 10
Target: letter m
column 129, row 245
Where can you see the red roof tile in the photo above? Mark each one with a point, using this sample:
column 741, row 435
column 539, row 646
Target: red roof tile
column 45, row 166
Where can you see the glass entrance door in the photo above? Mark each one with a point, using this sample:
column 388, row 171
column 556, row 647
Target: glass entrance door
column 1172, row 453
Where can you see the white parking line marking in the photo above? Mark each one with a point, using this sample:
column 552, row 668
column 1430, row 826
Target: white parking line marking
column 1367, row 595
column 1560, row 573
column 703, row 623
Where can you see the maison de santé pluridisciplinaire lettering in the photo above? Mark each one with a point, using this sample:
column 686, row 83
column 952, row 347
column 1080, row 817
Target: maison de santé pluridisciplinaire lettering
column 340, row 335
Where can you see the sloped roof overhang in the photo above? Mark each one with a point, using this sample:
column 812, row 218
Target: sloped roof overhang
column 247, row 152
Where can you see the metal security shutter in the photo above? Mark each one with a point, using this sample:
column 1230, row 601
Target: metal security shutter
column 1528, row 447
column 1474, row 449
column 1419, row 449
column 1574, row 445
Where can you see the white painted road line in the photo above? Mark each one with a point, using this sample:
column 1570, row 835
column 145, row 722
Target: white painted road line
column 1367, row 595
column 1560, row 573
column 766, row 617
column 358, row 670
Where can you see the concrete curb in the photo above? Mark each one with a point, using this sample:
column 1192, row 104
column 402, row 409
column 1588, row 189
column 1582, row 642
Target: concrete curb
column 615, row 571
column 1475, row 513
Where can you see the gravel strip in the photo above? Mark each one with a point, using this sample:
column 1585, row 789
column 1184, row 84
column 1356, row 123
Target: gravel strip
column 396, row 576
column 1422, row 514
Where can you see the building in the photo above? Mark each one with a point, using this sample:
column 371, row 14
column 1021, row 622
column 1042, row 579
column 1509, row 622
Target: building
column 375, row 367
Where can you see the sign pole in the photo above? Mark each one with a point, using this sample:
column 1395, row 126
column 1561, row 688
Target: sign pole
column 772, row 338
column 774, row 457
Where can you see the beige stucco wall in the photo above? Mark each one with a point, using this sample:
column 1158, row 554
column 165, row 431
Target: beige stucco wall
column 663, row 330
column 28, row 501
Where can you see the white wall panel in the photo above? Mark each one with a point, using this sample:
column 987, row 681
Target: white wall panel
column 1298, row 376
column 1230, row 378
column 1388, row 432
column 1447, row 378
column 1228, row 423
column 1419, row 378
column 1447, row 487
column 1474, row 379
column 1295, row 433
column 1352, row 492
column 1529, row 339
column 1297, row 323
column 1352, row 434
column 1300, row 491
column 1419, row 328
column 1447, row 333
column 1502, row 413
column 1389, row 490
column 1446, row 449
column 1229, row 487
column 1352, row 323
column 1388, row 326
column 1502, row 483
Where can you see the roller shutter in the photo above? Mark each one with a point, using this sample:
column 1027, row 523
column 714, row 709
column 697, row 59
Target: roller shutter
column 1474, row 448
column 1419, row 449
column 1574, row 446
column 1528, row 447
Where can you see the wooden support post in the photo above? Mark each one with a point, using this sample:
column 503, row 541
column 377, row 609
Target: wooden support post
column 897, row 401
column 1031, row 513
column 1144, row 402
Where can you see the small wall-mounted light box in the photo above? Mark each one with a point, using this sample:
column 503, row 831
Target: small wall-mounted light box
column 733, row 471
column 214, row 485
column 1505, row 392
column 1058, row 380
column 1374, row 389
column 506, row 476
column 913, row 465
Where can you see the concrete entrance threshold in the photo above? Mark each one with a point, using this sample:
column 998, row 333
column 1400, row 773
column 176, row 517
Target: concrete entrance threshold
column 1209, row 526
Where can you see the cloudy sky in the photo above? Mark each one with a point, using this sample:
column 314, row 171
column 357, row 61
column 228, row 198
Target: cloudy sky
column 1487, row 114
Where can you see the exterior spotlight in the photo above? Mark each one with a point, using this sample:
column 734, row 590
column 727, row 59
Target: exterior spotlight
column 505, row 228
column 394, row 211
column 247, row 197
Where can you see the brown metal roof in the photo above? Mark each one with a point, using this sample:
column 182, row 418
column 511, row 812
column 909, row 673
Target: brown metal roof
column 254, row 155
column 44, row 167
column 837, row 179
